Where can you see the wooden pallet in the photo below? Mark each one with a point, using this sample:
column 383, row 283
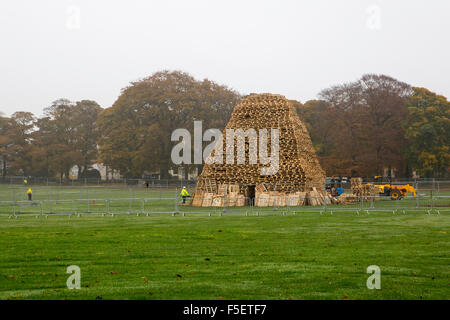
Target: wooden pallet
column 299, row 168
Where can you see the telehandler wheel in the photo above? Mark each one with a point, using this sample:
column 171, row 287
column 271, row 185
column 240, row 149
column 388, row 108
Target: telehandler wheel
column 396, row 194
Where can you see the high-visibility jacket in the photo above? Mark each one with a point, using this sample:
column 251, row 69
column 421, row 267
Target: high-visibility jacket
column 184, row 193
column 29, row 191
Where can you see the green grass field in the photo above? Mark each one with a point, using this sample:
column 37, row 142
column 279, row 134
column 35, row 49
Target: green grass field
column 275, row 255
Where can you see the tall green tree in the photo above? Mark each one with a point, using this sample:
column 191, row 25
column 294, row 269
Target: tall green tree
column 22, row 125
column 428, row 133
column 64, row 153
column 84, row 120
column 66, row 136
column 5, row 143
column 136, row 130
column 15, row 141
column 44, row 148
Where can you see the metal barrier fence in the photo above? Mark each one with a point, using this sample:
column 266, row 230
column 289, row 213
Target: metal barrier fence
column 130, row 182
column 432, row 197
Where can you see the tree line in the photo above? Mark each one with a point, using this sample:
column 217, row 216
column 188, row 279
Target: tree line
column 358, row 128
column 376, row 123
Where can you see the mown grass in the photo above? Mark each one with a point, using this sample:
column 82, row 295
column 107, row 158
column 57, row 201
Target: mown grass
column 271, row 256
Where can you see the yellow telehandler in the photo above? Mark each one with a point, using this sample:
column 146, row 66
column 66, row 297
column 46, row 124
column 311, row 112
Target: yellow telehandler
column 394, row 190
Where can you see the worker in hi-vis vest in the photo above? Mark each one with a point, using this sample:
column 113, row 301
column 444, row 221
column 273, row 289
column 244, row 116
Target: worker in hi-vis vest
column 184, row 194
column 30, row 193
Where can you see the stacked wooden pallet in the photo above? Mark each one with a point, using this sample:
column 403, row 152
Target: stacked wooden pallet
column 346, row 199
column 298, row 167
column 197, row 199
column 316, row 198
column 262, row 199
column 363, row 191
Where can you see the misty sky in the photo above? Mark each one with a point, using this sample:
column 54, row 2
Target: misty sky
column 91, row 49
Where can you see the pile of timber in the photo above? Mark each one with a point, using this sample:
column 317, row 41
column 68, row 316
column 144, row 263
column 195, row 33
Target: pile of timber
column 226, row 195
column 299, row 172
column 291, row 199
column 230, row 196
column 362, row 191
column 345, row 199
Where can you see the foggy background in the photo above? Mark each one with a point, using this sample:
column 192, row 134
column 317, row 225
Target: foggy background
column 92, row 49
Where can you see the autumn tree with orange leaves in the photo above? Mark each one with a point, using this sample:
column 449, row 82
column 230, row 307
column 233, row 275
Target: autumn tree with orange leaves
column 136, row 130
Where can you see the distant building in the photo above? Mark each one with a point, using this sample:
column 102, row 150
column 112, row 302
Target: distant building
column 108, row 174
column 104, row 171
column 183, row 175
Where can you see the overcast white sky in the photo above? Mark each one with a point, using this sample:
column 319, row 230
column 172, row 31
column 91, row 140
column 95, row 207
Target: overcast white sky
column 91, row 49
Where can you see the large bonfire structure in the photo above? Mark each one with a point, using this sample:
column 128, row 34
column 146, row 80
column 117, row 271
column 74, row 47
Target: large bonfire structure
column 299, row 179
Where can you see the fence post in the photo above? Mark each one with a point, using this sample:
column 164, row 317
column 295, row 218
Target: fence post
column 431, row 194
column 133, row 197
column 361, row 205
column 372, row 204
column 87, row 196
column 50, row 201
column 176, row 199
column 417, row 194
column 129, row 200
column 275, row 198
column 438, row 189
column 14, row 196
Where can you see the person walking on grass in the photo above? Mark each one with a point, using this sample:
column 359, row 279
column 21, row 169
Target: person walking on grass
column 30, row 194
column 184, row 194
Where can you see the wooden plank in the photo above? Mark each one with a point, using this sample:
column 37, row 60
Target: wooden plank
column 217, row 201
column 207, row 199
